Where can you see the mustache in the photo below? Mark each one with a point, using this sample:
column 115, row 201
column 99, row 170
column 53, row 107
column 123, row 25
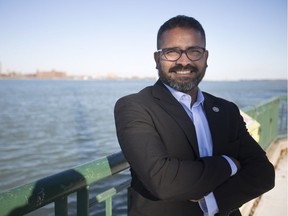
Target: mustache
column 180, row 67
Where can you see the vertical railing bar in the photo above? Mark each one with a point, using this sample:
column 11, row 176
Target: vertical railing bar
column 282, row 117
column 61, row 206
column 108, row 206
column 83, row 201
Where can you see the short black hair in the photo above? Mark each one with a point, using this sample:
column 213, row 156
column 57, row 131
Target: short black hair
column 181, row 21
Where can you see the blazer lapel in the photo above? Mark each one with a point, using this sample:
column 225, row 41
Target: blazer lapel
column 214, row 114
column 177, row 112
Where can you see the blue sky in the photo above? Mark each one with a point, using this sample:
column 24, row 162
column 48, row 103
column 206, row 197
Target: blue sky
column 246, row 39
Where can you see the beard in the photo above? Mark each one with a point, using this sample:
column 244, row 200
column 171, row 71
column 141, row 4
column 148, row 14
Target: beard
column 182, row 84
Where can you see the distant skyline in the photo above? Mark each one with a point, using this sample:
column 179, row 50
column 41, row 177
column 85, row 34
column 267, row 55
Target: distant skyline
column 245, row 39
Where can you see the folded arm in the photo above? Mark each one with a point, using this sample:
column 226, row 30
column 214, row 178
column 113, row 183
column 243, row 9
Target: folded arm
column 255, row 177
column 165, row 176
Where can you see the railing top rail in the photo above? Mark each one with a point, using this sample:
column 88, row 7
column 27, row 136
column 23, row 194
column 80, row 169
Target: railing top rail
column 44, row 191
column 264, row 103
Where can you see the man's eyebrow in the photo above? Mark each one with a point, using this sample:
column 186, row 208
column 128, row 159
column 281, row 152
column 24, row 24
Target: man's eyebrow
column 191, row 47
column 171, row 48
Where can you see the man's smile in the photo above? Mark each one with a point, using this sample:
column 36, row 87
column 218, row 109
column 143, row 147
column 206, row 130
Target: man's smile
column 183, row 72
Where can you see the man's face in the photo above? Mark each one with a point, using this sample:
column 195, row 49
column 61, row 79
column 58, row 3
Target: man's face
column 183, row 75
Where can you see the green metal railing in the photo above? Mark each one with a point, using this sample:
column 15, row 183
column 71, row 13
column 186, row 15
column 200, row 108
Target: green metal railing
column 272, row 116
column 57, row 188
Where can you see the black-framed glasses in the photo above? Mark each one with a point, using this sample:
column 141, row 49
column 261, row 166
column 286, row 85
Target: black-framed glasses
column 173, row 54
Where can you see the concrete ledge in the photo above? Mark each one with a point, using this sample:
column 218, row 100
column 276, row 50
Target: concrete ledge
column 273, row 152
column 275, row 149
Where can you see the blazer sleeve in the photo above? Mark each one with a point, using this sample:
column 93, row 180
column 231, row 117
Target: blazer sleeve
column 165, row 177
column 255, row 177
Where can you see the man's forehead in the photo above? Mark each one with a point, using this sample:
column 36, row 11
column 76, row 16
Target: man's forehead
column 181, row 35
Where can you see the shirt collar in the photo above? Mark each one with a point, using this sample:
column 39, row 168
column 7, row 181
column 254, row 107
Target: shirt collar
column 180, row 95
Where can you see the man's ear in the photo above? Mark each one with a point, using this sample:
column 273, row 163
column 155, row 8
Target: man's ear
column 206, row 54
column 156, row 59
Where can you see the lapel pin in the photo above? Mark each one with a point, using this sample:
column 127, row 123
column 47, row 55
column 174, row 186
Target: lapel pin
column 215, row 109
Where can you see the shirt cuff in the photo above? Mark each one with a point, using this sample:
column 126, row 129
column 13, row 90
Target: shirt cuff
column 232, row 165
column 211, row 204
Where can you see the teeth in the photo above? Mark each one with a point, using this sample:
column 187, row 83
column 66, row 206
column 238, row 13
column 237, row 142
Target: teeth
column 183, row 72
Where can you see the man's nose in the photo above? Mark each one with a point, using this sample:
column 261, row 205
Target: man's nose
column 184, row 60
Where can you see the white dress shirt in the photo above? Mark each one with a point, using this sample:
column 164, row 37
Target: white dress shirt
column 196, row 113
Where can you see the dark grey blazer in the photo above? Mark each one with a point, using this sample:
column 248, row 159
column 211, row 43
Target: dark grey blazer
column 159, row 141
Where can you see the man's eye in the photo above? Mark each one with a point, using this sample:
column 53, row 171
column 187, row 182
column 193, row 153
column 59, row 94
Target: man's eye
column 171, row 52
column 194, row 52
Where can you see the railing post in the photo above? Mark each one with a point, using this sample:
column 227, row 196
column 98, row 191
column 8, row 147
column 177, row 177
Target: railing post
column 61, row 206
column 108, row 206
column 83, row 202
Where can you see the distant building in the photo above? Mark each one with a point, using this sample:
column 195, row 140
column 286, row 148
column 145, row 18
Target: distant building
column 50, row 74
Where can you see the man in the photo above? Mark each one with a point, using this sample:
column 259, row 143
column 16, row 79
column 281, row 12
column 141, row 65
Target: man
column 189, row 152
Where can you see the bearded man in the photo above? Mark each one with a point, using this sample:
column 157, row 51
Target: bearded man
column 190, row 152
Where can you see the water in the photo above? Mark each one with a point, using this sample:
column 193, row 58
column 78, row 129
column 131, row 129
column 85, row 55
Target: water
column 49, row 126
